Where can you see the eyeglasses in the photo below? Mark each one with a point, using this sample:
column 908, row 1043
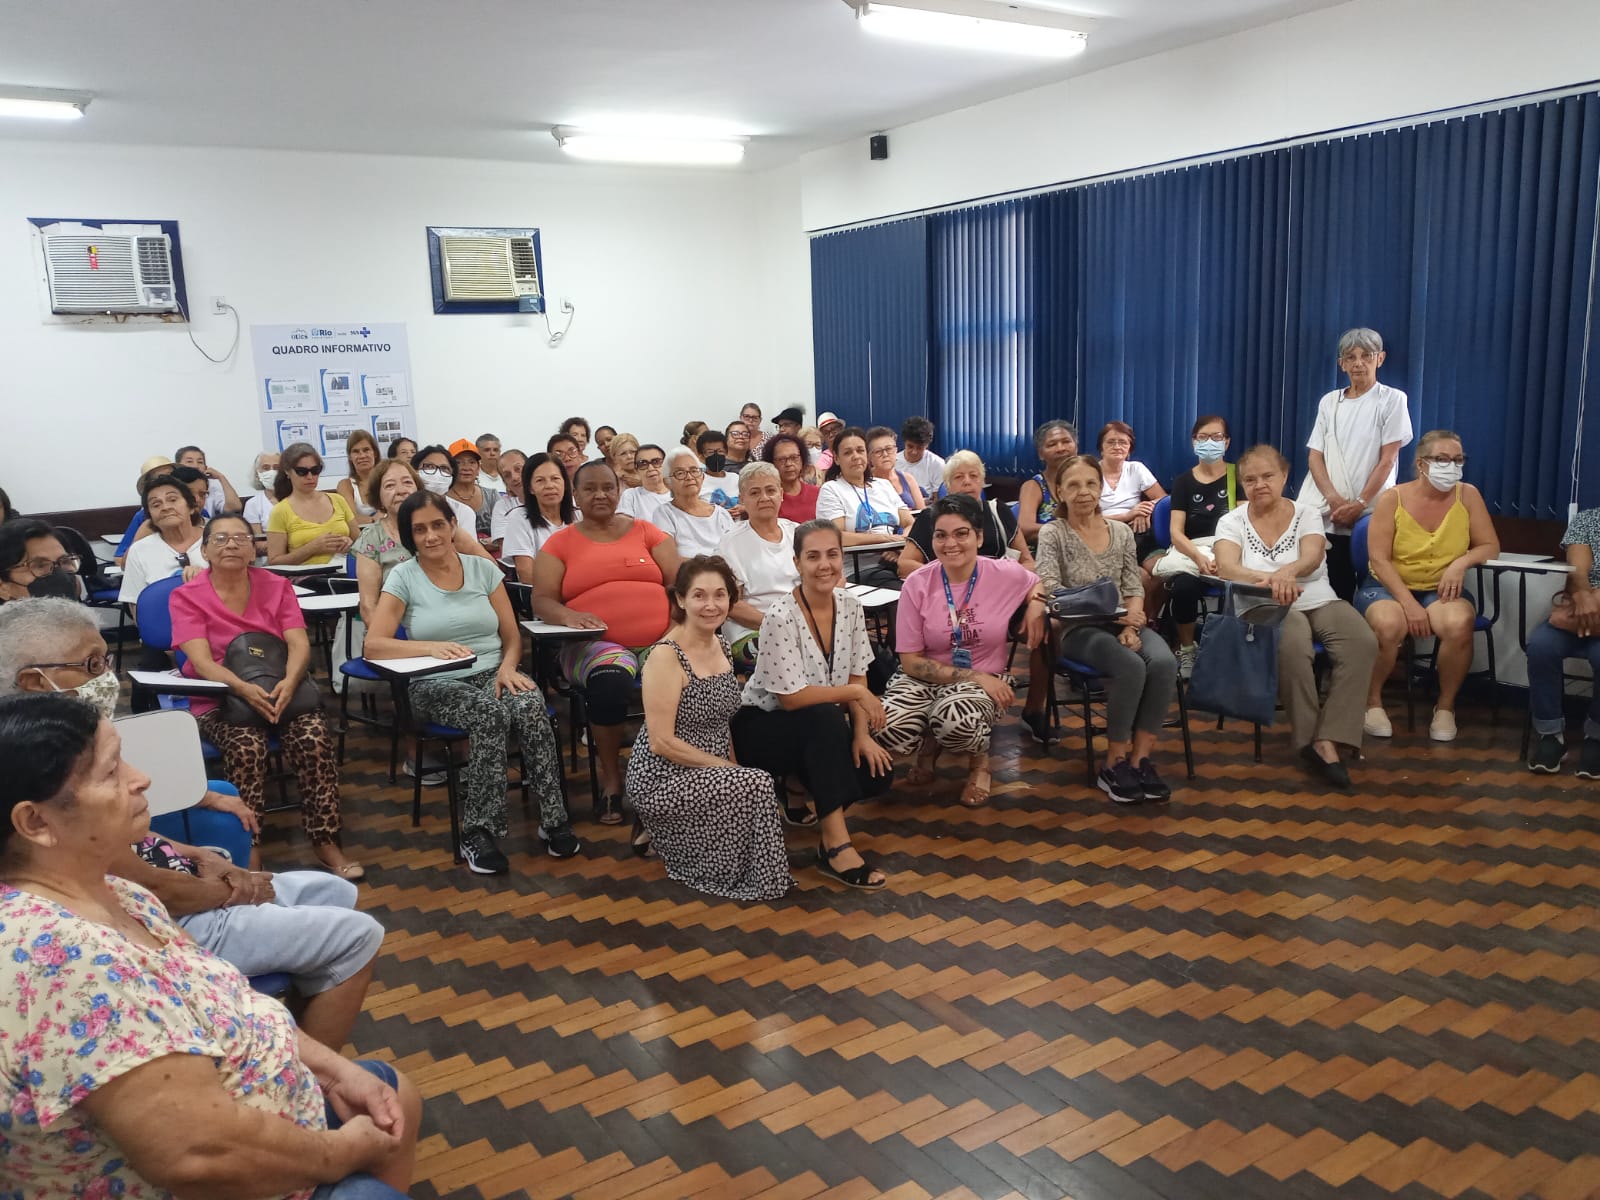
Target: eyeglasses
column 1357, row 356
column 307, row 472
column 882, row 452
column 1123, row 442
column 1211, row 441
column 434, row 472
column 648, row 464
column 228, row 539
column 1443, row 460
column 690, row 473
column 40, row 567
column 95, row 664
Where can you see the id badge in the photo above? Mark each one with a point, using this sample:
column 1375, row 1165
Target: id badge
column 961, row 658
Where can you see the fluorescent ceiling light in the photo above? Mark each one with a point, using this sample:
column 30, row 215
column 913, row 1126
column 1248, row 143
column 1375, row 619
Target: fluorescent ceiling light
column 977, row 25
column 658, row 150
column 44, row 104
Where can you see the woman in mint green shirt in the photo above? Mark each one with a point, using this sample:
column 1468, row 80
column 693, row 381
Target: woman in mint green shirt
column 454, row 605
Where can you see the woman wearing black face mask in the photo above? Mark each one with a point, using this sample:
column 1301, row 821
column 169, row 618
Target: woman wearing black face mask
column 33, row 562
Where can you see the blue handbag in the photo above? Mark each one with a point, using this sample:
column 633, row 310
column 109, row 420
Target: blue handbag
column 1236, row 670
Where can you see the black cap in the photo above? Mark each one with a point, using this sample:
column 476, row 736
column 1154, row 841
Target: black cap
column 792, row 413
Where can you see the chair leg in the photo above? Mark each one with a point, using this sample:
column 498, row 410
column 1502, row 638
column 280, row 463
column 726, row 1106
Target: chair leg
column 1183, row 726
column 1258, row 741
column 454, row 800
column 594, row 766
column 1411, row 675
column 1088, row 735
column 416, row 789
column 1494, row 679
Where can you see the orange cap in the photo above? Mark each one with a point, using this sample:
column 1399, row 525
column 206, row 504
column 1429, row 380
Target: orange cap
column 462, row 446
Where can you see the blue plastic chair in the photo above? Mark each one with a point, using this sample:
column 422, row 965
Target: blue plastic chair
column 1161, row 522
column 153, row 613
column 1088, row 683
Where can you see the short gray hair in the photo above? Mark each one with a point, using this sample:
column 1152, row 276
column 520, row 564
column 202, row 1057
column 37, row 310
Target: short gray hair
column 1361, row 338
column 36, row 631
column 1042, row 434
column 677, row 452
column 759, row 470
column 963, row 460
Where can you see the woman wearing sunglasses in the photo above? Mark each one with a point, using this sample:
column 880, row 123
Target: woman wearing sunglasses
column 306, row 525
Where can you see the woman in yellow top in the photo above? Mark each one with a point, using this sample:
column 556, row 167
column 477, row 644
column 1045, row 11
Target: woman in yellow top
column 306, row 525
column 1423, row 538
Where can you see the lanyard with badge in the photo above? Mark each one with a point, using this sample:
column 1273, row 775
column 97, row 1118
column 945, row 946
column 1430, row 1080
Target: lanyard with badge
column 960, row 656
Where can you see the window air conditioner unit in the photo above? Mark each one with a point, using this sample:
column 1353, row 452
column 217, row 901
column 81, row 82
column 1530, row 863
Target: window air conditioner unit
column 110, row 273
column 479, row 268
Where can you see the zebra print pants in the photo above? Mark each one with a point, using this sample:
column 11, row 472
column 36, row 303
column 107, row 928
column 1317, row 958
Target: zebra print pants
column 960, row 716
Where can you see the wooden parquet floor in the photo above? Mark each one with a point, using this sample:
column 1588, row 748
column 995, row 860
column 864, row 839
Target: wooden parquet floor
column 1260, row 990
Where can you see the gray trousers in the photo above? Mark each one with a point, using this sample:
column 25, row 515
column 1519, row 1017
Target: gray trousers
column 1139, row 684
column 1352, row 648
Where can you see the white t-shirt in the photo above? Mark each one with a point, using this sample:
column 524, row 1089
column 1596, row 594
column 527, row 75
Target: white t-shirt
column 840, row 499
column 1130, row 489
column 1256, row 555
column 465, row 517
column 256, row 509
column 151, row 559
column 521, row 538
column 215, row 500
column 503, row 508
column 694, row 535
column 1351, row 434
column 928, row 471
column 765, row 570
column 642, row 503
column 490, row 481
column 724, row 492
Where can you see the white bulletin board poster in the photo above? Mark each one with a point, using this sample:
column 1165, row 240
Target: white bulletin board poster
column 320, row 383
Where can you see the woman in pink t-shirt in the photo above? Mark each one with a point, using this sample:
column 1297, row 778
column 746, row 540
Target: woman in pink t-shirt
column 229, row 599
column 954, row 618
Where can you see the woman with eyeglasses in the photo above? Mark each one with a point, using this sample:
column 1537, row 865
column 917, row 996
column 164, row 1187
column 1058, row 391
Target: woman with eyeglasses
column 177, row 546
column 788, row 453
column 228, row 600
column 546, row 507
column 1423, row 538
column 622, row 452
column 306, row 525
column 378, row 548
column 33, row 562
column 750, row 414
column 1201, row 497
column 566, row 449
column 695, row 523
column 882, row 450
column 403, row 449
column 361, row 452
column 436, row 468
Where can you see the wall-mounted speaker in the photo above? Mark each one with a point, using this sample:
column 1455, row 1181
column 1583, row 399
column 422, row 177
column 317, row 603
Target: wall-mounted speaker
column 879, row 143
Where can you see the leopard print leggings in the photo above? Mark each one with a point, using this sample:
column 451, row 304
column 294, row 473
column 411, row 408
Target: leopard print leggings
column 309, row 751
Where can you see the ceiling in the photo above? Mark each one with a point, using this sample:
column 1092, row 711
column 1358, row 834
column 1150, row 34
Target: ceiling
column 486, row 78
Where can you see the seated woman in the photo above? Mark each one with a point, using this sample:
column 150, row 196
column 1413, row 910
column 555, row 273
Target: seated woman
column 608, row 573
column 964, row 476
column 1130, row 491
column 175, row 548
column 1079, row 546
column 403, row 449
column 621, row 452
column 264, row 471
column 1201, row 496
column 761, row 553
column 737, row 454
column 306, row 525
column 808, row 712
column 865, row 509
column 1423, row 538
column 1054, row 442
column 811, row 437
column 651, row 493
column 1272, row 542
column 712, row 822
column 788, row 453
column 454, row 605
column 547, row 507
column 378, row 548
column 882, row 450
column 361, row 452
column 227, row 600
column 694, row 522
column 1572, row 631
column 33, row 562
column 436, row 467
column 466, row 489
column 513, row 495
column 950, row 689
column 149, row 1066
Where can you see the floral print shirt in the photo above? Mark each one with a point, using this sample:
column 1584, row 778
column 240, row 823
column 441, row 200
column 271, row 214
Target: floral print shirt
column 85, row 1005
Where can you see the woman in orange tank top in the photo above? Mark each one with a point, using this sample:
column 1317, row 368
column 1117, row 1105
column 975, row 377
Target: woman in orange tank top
column 1423, row 538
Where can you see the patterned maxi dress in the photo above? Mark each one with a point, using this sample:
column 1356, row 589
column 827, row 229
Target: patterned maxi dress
column 715, row 828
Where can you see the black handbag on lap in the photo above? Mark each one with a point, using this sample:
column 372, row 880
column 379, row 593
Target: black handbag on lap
column 262, row 659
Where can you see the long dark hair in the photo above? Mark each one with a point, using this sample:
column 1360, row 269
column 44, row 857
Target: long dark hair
column 43, row 741
column 530, row 503
column 413, row 504
column 291, row 458
column 847, row 432
column 5, row 507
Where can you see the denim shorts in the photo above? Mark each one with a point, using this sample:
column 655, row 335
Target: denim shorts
column 1370, row 592
column 360, row 1187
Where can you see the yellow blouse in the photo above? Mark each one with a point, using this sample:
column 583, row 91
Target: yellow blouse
column 283, row 519
column 1421, row 555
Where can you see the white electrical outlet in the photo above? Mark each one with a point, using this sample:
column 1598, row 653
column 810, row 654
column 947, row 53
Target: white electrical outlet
column 219, row 304
column 566, row 304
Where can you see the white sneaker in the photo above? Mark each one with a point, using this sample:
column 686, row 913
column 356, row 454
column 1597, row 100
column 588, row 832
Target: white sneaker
column 1186, row 656
column 430, row 778
column 1377, row 724
column 1443, row 726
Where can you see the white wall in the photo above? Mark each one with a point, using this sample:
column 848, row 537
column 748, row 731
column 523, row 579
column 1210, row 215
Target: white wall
column 671, row 274
column 1365, row 61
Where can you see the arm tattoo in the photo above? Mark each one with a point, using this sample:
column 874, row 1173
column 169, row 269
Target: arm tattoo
column 929, row 671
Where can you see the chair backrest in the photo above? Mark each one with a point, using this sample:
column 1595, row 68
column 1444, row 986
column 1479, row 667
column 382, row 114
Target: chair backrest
column 165, row 745
column 1016, row 507
column 154, row 612
column 1161, row 522
column 1358, row 548
column 90, row 568
column 350, row 565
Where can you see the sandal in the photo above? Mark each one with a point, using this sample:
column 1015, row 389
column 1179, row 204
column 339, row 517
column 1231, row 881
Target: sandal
column 798, row 816
column 608, row 810
column 976, row 793
column 640, row 841
column 856, row 877
column 353, row 871
column 922, row 771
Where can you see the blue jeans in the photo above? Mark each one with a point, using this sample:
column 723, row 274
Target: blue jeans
column 1547, row 647
column 361, row 1187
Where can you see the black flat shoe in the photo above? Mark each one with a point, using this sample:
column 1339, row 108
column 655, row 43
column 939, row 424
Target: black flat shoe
column 640, row 840
column 1333, row 772
column 856, row 877
column 798, row 816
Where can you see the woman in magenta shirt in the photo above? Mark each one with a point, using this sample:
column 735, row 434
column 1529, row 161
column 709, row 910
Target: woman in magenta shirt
column 955, row 615
column 231, row 598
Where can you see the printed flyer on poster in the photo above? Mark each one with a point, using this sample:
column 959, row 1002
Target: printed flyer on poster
column 320, row 383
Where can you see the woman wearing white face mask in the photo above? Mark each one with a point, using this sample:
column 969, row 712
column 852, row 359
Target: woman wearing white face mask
column 264, row 471
column 436, row 467
column 1423, row 538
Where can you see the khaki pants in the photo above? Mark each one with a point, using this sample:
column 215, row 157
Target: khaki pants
column 1352, row 648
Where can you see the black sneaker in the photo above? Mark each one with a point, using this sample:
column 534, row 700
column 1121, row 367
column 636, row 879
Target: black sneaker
column 483, row 857
column 1547, row 753
column 560, row 842
column 1121, row 782
column 1589, row 759
column 1038, row 724
column 1155, row 788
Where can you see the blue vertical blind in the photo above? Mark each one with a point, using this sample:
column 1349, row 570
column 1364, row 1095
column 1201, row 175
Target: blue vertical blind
column 1469, row 243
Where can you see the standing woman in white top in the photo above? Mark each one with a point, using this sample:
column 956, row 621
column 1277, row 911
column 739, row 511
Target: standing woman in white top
column 695, row 523
column 865, row 509
column 1354, row 450
column 173, row 512
column 761, row 553
column 361, row 451
column 1271, row 541
column 546, row 507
